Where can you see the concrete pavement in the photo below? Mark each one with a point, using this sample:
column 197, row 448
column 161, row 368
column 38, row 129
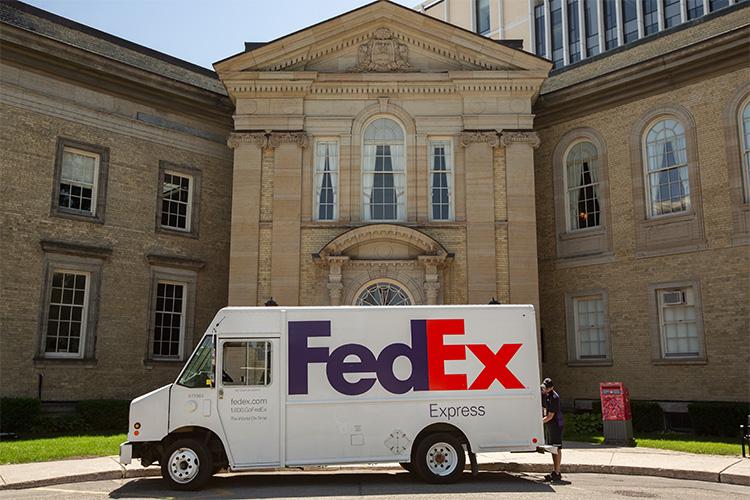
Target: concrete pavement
column 577, row 457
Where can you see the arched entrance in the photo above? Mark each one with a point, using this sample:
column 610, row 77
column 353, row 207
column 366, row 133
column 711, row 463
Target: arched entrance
column 384, row 264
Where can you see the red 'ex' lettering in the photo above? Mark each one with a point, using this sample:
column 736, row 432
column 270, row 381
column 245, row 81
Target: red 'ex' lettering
column 438, row 353
column 495, row 366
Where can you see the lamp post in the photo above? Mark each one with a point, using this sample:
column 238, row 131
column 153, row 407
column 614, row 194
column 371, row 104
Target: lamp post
column 271, row 303
column 494, row 301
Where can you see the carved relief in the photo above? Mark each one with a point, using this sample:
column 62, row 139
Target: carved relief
column 479, row 136
column 513, row 138
column 238, row 139
column 276, row 139
column 382, row 52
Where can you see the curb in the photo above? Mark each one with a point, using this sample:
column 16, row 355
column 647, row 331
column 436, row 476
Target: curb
column 694, row 475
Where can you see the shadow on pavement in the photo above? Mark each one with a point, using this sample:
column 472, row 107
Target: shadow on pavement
column 323, row 484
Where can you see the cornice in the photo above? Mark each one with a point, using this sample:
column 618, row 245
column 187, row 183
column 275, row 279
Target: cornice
column 268, row 139
column 468, row 137
column 76, row 249
column 175, row 261
column 722, row 53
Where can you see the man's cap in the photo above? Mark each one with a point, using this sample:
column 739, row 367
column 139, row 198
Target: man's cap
column 547, row 383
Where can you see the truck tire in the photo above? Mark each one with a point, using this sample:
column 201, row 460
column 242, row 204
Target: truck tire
column 407, row 466
column 186, row 465
column 439, row 458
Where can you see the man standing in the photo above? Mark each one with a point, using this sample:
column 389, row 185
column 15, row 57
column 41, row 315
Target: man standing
column 553, row 425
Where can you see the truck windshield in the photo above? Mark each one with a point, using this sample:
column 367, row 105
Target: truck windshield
column 199, row 371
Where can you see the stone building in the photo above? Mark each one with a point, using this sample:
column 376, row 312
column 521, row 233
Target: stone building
column 384, row 156
column 115, row 184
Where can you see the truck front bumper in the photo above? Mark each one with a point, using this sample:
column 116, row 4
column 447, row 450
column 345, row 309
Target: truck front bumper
column 126, row 453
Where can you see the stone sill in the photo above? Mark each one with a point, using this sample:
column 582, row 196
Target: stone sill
column 64, row 362
column 679, row 361
column 594, row 363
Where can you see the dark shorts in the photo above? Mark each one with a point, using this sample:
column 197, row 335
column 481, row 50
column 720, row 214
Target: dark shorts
column 553, row 435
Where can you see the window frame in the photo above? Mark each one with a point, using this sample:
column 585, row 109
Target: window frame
column 84, row 314
column 477, row 9
column 75, row 259
column 99, row 188
column 450, row 171
column 647, row 173
column 659, row 355
column 183, row 318
column 188, row 278
column 336, row 185
column 744, row 143
column 268, row 358
column 566, row 188
column 573, row 335
column 194, row 194
column 365, row 205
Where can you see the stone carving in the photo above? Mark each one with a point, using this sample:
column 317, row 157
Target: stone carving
column 478, row 136
column 523, row 137
column 382, row 52
column 238, row 139
column 276, row 139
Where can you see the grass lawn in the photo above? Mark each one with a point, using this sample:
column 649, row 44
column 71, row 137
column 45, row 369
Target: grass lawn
column 689, row 443
column 25, row 450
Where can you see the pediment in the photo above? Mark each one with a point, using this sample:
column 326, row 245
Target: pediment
column 382, row 37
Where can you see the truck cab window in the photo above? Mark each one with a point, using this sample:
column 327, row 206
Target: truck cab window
column 199, row 372
column 247, row 363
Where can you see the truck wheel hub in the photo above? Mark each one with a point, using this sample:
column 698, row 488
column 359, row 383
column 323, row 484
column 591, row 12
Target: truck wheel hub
column 183, row 465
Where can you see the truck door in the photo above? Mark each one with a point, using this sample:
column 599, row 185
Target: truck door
column 248, row 399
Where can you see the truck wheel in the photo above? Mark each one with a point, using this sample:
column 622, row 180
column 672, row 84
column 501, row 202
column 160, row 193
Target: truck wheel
column 186, row 465
column 439, row 458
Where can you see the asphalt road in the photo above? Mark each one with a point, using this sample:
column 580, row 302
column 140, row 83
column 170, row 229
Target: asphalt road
column 386, row 485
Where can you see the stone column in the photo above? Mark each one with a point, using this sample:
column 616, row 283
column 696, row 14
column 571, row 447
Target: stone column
column 480, row 214
column 246, row 182
column 287, row 200
column 335, row 286
column 431, row 285
column 522, row 252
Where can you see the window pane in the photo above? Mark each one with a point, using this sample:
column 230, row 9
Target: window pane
column 610, row 24
column 592, row 27
column 168, row 319
column 718, row 4
column 326, row 180
column 630, row 20
column 590, row 327
column 482, row 8
column 383, row 181
column 583, row 177
column 440, row 180
column 672, row 14
column 650, row 16
column 694, row 8
column 539, row 30
column 746, row 149
column 66, row 313
column 175, row 201
column 557, row 32
column 199, row 370
column 77, row 178
column 669, row 186
column 383, row 294
column 246, row 363
column 574, row 32
column 678, row 323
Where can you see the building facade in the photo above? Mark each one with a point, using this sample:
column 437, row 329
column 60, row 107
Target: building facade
column 383, row 157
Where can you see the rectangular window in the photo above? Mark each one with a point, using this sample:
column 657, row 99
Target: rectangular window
column 540, row 30
column 672, row 14
column 326, row 179
column 592, row 27
column 441, row 180
column 176, row 201
column 694, row 8
column 247, row 363
column 384, row 183
column 678, row 323
column 78, row 181
column 574, row 32
column 650, row 16
column 590, row 327
column 610, row 24
column 67, row 314
column 557, row 32
column 169, row 319
column 630, row 20
column 718, row 4
column 482, row 9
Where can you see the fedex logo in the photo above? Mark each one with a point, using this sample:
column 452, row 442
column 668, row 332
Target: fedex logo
column 427, row 353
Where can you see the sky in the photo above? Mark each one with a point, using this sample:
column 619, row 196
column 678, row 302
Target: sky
column 200, row 31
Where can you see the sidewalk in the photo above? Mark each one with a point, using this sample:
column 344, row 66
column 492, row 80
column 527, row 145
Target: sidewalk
column 577, row 457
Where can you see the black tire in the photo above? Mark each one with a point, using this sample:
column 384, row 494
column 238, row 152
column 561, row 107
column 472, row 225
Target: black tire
column 439, row 458
column 407, row 466
column 186, row 465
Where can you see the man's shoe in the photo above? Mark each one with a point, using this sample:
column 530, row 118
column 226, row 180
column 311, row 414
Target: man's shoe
column 549, row 477
column 556, row 476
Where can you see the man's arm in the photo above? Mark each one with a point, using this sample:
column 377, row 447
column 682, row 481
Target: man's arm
column 550, row 415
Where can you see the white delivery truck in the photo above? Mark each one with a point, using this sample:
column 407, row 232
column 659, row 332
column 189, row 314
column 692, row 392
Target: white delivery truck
column 283, row 387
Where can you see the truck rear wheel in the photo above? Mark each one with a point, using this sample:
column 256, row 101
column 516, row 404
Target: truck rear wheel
column 186, row 464
column 439, row 458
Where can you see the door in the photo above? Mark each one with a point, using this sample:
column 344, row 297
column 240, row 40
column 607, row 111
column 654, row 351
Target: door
column 248, row 399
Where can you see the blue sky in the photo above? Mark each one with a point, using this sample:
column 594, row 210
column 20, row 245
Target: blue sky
column 200, row 31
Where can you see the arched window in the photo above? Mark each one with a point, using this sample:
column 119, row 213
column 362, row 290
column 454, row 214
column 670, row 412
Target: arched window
column 383, row 183
column 667, row 183
column 582, row 178
column 745, row 144
column 383, row 293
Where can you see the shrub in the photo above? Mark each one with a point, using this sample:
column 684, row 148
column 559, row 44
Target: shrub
column 18, row 414
column 588, row 423
column 647, row 416
column 104, row 414
column 51, row 425
column 718, row 419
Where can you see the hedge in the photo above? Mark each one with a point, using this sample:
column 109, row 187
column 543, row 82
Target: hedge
column 647, row 415
column 104, row 414
column 718, row 419
column 18, row 414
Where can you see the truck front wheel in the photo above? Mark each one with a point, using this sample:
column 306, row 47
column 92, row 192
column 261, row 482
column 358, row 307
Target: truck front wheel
column 186, row 464
column 439, row 458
